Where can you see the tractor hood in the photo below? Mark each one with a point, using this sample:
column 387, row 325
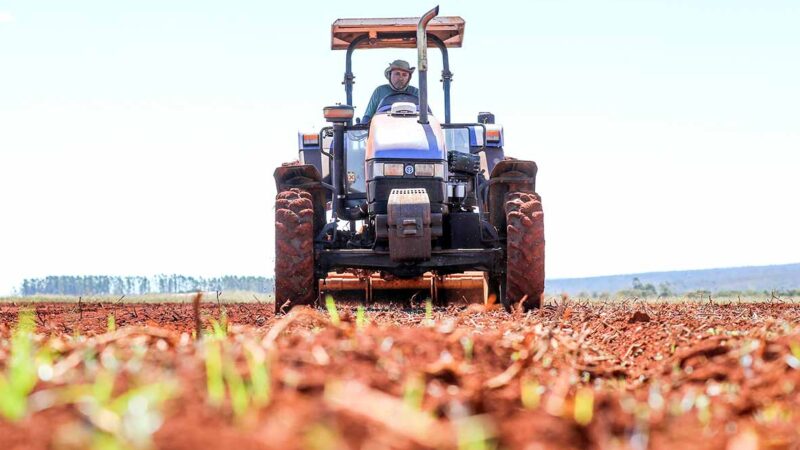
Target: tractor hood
column 403, row 137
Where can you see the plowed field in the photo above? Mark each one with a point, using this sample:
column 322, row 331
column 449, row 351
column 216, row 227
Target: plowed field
column 569, row 375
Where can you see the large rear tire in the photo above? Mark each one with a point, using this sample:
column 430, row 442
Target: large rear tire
column 295, row 283
column 524, row 249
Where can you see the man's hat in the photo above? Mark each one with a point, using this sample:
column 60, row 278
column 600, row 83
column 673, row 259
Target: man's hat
column 398, row 64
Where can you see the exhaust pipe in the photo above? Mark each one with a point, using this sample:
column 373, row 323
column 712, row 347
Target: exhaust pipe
column 422, row 62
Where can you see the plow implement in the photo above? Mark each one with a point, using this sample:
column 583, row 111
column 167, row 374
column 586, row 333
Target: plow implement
column 466, row 287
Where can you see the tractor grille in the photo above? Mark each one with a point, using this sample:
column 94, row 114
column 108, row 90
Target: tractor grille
column 378, row 191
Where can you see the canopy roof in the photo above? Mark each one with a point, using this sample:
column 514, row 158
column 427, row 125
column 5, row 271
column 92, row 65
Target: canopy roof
column 400, row 32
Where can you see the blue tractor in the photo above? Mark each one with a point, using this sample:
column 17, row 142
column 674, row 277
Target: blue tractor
column 407, row 201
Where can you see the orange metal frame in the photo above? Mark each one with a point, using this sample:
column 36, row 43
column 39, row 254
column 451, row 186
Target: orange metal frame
column 397, row 32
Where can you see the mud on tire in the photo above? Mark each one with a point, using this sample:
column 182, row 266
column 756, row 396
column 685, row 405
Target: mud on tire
column 524, row 248
column 294, row 250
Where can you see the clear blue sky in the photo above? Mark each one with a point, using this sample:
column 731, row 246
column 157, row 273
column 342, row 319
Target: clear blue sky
column 140, row 137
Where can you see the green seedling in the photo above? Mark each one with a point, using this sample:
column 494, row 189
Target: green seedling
column 469, row 347
column 474, row 433
column 44, row 363
column 414, row 392
column 702, row 403
column 19, row 378
column 218, row 330
column 126, row 421
column 223, row 320
column 428, row 312
column 584, row 406
column 793, row 360
column 530, row 394
column 105, row 441
column 321, row 437
column 102, row 387
column 773, row 413
column 331, row 306
column 112, row 323
column 221, row 371
column 240, row 398
column 260, row 387
column 795, row 349
column 214, row 379
column 361, row 317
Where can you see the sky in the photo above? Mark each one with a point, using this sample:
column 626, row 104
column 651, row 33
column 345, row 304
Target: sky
column 140, row 137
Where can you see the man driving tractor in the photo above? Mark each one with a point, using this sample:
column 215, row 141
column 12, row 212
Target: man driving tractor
column 399, row 75
column 434, row 205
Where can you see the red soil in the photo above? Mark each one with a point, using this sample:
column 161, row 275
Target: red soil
column 652, row 376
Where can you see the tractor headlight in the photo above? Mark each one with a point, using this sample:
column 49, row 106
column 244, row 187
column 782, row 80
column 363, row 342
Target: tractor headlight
column 429, row 170
column 381, row 169
column 392, row 169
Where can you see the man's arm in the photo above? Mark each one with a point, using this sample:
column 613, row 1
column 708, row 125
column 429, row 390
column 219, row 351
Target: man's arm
column 372, row 105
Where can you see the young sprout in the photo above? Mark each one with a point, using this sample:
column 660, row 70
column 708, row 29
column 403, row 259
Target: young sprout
column 102, row 387
column 584, row 406
column 702, row 403
column 414, row 392
column 223, row 320
column 331, row 305
column 428, row 312
column 239, row 397
column 126, row 421
column 468, row 346
column 214, row 380
column 793, row 360
column 112, row 323
column 361, row 317
column 44, row 363
column 218, row 330
column 20, row 375
column 475, row 433
column 530, row 393
column 795, row 348
column 260, row 388
column 321, row 436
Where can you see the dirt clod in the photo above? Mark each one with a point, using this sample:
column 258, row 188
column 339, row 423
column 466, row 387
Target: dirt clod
column 639, row 316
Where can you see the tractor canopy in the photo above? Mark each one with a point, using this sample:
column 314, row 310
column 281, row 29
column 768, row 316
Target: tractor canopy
column 398, row 32
column 401, row 32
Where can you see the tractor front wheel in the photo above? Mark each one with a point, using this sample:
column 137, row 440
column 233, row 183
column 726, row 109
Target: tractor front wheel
column 295, row 283
column 524, row 249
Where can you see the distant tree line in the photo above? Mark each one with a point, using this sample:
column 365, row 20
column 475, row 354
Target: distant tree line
column 135, row 285
column 663, row 290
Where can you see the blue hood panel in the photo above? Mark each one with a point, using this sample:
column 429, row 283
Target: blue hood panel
column 402, row 137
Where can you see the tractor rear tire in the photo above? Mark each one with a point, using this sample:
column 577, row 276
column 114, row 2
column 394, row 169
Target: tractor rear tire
column 524, row 249
column 295, row 283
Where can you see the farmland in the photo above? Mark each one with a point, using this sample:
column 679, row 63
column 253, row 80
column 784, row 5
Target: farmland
column 573, row 374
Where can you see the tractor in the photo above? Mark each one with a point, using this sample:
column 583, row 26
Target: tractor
column 406, row 201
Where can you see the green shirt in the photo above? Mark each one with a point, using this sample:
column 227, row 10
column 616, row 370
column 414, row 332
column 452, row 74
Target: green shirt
column 382, row 92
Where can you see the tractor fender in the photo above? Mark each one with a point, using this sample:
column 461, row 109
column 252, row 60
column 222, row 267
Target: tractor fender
column 295, row 175
column 509, row 175
column 306, row 177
